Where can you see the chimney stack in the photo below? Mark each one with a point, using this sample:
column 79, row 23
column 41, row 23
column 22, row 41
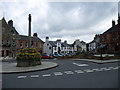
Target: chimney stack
column 35, row 34
column 59, row 40
column 29, row 31
column 10, row 22
column 47, row 39
column 65, row 41
column 113, row 23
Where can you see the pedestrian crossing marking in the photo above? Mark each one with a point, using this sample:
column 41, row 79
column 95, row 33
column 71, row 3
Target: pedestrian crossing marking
column 68, row 72
column 34, row 76
column 79, row 71
column 58, row 73
column 22, row 77
column 88, row 70
column 46, row 75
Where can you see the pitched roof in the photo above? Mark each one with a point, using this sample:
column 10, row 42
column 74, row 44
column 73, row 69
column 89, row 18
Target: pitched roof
column 7, row 26
column 23, row 37
column 112, row 29
column 64, row 44
column 53, row 43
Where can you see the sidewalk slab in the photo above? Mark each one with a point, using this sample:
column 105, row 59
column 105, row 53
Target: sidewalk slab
column 11, row 67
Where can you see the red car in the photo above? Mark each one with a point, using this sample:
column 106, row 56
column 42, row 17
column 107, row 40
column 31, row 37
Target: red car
column 45, row 56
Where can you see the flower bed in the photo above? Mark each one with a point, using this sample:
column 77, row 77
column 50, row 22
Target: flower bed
column 28, row 57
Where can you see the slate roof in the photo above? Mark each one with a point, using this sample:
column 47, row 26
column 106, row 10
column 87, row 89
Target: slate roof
column 63, row 44
column 23, row 37
column 7, row 26
column 112, row 29
column 53, row 43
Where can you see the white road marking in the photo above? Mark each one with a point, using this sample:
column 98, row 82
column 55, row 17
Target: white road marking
column 34, row 76
column 80, row 64
column 22, row 77
column 79, row 71
column 69, row 72
column 96, row 69
column 88, row 70
column 46, row 75
column 107, row 69
column 110, row 67
column 115, row 68
column 58, row 73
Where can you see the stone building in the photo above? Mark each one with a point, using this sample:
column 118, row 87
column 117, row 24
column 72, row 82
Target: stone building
column 110, row 39
column 9, row 39
column 12, row 42
column 36, row 42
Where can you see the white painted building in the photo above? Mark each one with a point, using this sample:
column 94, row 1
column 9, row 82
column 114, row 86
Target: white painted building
column 81, row 45
column 52, row 47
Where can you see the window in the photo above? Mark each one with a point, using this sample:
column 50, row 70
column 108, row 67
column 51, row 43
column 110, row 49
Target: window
column 50, row 48
column 36, row 44
column 7, row 42
column 21, row 44
column 32, row 43
column 13, row 43
column 26, row 44
column 2, row 42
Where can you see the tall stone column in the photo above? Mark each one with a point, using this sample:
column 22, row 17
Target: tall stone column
column 29, row 31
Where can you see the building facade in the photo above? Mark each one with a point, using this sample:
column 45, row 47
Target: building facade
column 94, row 45
column 36, row 42
column 110, row 39
column 9, row 39
column 52, row 47
column 81, row 46
column 12, row 42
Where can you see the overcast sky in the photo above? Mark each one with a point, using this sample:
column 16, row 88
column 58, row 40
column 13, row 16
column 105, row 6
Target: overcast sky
column 61, row 20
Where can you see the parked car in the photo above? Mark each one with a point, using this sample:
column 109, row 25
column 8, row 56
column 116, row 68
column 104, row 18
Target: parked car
column 46, row 56
column 57, row 55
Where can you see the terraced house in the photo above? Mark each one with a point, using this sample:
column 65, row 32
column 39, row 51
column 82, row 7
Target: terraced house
column 12, row 41
column 52, row 47
column 110, row 39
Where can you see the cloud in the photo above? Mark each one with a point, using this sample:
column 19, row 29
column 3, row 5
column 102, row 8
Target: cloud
column 65, row 20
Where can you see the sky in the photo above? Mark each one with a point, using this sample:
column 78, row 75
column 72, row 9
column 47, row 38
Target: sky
column 60, row 20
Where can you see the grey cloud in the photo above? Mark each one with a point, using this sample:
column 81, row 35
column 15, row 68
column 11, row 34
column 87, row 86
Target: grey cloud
column 61, row 20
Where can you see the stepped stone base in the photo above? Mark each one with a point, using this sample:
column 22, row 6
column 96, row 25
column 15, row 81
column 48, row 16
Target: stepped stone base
column 28, row 63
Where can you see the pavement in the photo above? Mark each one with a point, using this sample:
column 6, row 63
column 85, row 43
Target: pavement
column 10, row 67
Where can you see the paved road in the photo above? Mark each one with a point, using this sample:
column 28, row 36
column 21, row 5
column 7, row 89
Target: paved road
column 69, row 74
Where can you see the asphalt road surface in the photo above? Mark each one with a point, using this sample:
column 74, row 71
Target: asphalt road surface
column 69, row 74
